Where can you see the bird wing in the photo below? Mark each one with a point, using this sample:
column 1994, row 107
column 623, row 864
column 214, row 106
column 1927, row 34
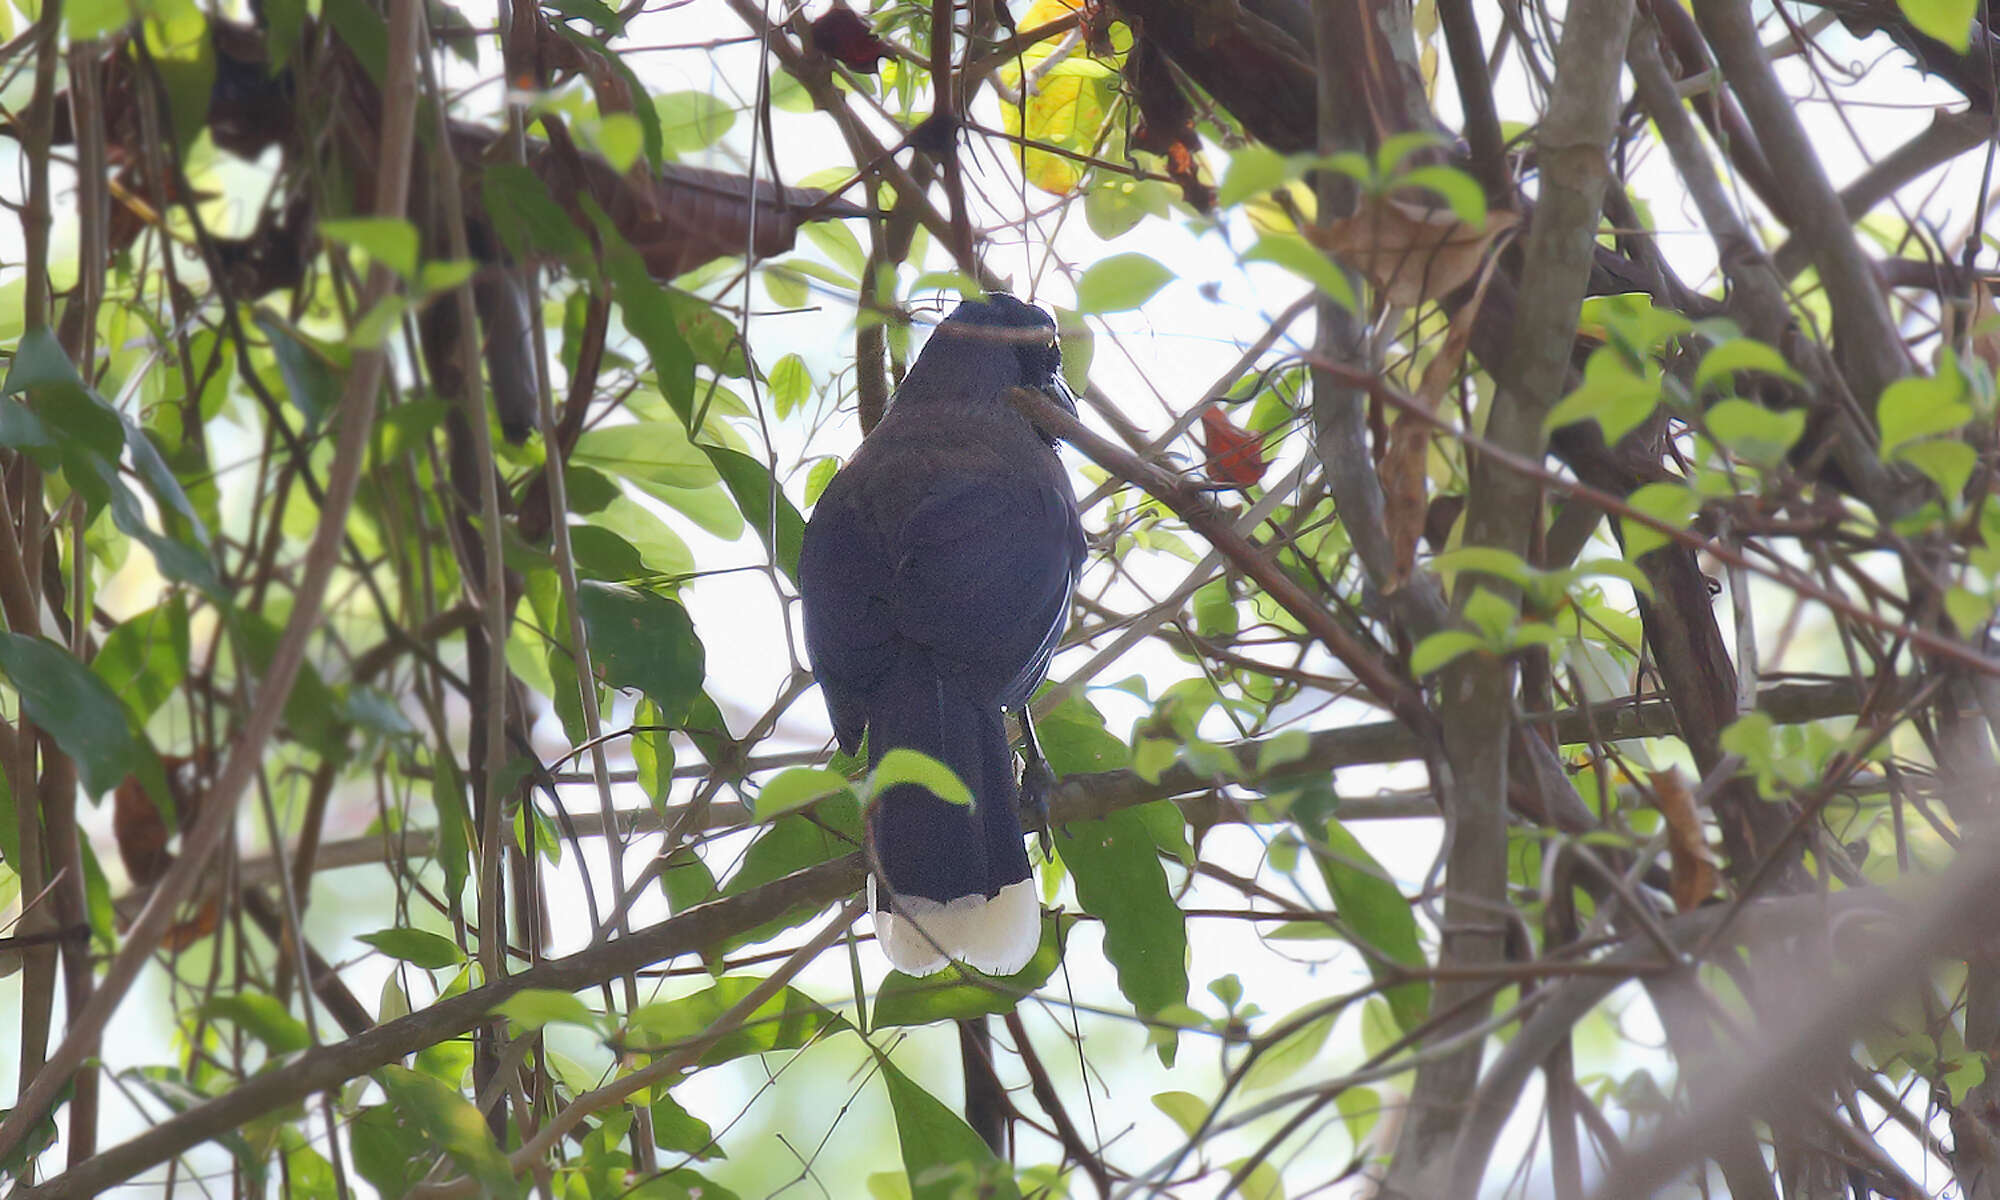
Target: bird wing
column 948, row 544
column 984, row 569
column 844, row 574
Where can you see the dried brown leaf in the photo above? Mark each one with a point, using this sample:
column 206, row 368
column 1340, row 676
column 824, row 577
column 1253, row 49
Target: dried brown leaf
column 1692, row 865
column 1411, row 252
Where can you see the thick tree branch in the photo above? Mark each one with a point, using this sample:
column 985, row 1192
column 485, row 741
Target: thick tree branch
column 1868, row 342
column 330, row 1066
column 1476, row 697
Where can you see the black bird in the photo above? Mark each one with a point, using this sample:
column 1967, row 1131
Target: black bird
column 936, row 575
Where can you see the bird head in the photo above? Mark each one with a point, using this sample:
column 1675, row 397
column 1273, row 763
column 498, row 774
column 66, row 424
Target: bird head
column 987, row 347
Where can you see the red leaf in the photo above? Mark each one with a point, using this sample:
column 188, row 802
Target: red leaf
column 1234, row 457
column 841, row 34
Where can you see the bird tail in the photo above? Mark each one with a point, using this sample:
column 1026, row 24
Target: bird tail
column 956, row 877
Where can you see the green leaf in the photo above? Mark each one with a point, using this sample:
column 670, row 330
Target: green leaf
column 819, row 477
column 654, row 452
column 1964, row 1073
column 1614, row 567
column 712, row 339
column 451, row 1124
column 1187, row 1110
column 1301, row 258
column 686, row 880
column 786, row 288
column 1488, row 560
column 957, row 993
column 902, row 765
column 840, row 246
column 762, row 501
column 388, row 1149
column 90, row 438
column 536, row 1007
column 262, row 1017
column 1613, row 393
column 526, row 217
column 374, row 327
column 309, row 379
column 1969, row 611
column 1921, row 406
column 1075, row 740
column 1754, row 433
column 1631, row 324
column 364, row 32
column 678, row 1130
column 454, row 840
column 662, row 551
column 1113, row 208
column 86, row 19
column 444, row 275
column 1460, row 191
column 1741, row 354
column 21, row 429
column 1252, row 171
column 1123, row 281
column 73, row 411
column 1152, row 756
column 145, row 658
column 1947, row 464
column 1675, row 504
column 183, row 55
column 390, row 241
column 1262, row 1183
column 1949, row 21
column 1441, row 648
column 419, row 947
column 1120, row 880
column 691, row 121
column 644, row 641
column 1291, row 1053
column 651, row 315
column 620, row 139
column 789, row 844
column 1282, row 749
column 942, row 1156
column 789, row 383
column 1070, row 107
column 1490, row 614
column 786, row 1021
column 799, row 787
column 84, row 716
column 312, row 711
column 1375, row 911
column 652, row 754
column 1399, row 146
column 603, row 555
column 1079, row 347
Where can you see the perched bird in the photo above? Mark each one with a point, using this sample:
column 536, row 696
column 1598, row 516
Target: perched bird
column 936, row 575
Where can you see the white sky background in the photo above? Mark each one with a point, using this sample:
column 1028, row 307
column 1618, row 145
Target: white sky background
column 1155, row 363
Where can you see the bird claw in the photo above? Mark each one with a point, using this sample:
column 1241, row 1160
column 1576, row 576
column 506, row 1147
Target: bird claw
column 1038, row 784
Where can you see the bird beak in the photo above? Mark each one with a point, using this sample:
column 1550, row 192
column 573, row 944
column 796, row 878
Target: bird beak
column 1058, row 390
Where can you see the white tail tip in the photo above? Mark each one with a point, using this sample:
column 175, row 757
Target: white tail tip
column 994, row 934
